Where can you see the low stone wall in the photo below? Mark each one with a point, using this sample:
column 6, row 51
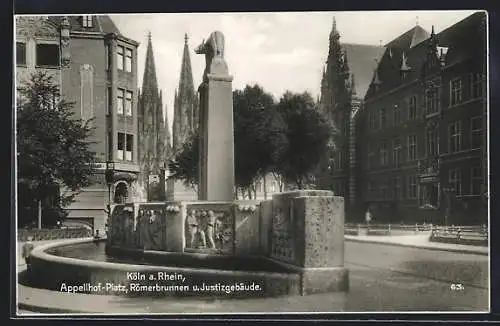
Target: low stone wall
column 86, row 276
column 52, row 234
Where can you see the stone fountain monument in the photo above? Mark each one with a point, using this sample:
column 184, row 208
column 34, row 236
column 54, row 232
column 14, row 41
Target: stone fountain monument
column 216, row 150
column 217, row 238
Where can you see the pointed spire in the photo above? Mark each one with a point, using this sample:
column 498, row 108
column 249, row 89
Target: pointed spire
column 186, row 78
column 353, row 85
column 149, row 81
column 185, row 106
column 334, row 32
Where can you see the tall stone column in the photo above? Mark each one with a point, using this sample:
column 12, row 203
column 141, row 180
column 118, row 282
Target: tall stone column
column 216, row 164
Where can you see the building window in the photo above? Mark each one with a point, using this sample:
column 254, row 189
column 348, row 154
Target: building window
column 456, row 91
column 476, row 85
column 455, row 180
column 412, row 108
column 432, row 100
column 370, row 189
column 128, row 147
column 382, row 118
column 384, row 194
column 476, row 133
column 373, row 121
column 128, row 104
column 20, row 53
column 384, row 155
column 121, row 146
column 476, row 180
column 47, row 55
column 396, row 115
column 128, row 60
column 119, row 102
column 432, row 143
column 119, row 57
column 396, row 187
column 455, row 134
column 412, row 187
column 412, row 147
column 371, row 157
column 340, row 160
column 396, row 151
column 87, row 21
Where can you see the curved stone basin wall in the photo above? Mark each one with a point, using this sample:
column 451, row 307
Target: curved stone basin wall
column 302, row 231
column 62, row 274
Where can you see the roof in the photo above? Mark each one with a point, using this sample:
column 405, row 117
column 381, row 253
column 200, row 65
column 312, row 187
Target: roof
column 100, row 24
column 463, row 40
column 362, row 61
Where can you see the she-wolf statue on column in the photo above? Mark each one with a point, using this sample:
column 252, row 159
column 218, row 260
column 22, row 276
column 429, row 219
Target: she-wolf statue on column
column 212, row 47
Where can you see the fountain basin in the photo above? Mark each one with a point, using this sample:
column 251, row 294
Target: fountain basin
column 150, row 273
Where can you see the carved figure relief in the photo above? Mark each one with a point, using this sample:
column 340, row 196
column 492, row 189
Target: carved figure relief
column 281, row 238
column 151, row 228
column 210, row 230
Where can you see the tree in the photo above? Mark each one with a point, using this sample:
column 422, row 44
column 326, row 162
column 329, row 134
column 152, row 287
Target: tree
column 308, row 135
column 259, row 135
column 259, row 140
column 53, row 147
column 184, row 166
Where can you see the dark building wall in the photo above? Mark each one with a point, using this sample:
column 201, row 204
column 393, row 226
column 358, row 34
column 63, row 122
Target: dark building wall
column 376, row 181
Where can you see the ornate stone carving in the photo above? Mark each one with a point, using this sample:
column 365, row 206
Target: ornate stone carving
column 32, row 27
column 209, row 229
column 282, row 239
column 151, row 227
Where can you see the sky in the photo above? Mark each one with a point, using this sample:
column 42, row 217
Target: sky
column 279, row 51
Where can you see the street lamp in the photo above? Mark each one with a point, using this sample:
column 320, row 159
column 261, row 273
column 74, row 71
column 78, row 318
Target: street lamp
column 110, row 170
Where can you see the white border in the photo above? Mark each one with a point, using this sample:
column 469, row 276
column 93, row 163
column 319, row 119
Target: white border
column 97, row 315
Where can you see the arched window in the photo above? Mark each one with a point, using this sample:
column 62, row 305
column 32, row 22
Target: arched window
column 121, row 192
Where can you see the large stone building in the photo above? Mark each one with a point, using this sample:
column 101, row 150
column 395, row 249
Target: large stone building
column 423, row 125
column 96, row 67
column 344, row 83
column 154, row 134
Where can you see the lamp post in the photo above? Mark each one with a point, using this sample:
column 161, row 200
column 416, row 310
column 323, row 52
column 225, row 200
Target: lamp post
column 109, row 175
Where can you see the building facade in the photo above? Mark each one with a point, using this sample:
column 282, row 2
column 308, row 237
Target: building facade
column 154, row 135
column 424, row 128
column 344, row 83
column 96, row 67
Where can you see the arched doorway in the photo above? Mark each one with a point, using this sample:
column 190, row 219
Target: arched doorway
column 121, row 192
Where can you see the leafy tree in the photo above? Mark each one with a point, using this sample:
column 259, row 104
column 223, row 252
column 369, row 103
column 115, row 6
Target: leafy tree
column 308, row 136
column 184, row 166
column 259, row 135
column 53, row 148
column 259, row 140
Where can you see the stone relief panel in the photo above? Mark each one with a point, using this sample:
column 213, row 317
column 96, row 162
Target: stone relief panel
column 151, row 227
column 209, row 228
column 282, row 240
column 121, row 229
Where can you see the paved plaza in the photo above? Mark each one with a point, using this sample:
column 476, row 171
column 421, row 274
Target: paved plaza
column 383, row 277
